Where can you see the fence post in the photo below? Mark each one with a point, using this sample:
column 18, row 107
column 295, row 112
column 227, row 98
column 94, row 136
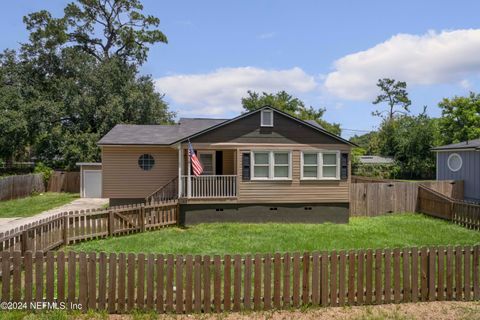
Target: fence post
column 65, row 229
column 111, row 226
column 25, row 244
column 452, row 210
column 142, row 218
column 177, row 213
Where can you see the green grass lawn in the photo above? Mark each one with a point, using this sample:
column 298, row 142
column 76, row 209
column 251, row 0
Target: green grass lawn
column 401, row 230
column 33, row 205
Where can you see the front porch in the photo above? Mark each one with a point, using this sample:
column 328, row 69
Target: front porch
column 219, row 177
column 208, row 186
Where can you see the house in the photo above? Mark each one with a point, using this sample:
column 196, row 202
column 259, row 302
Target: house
column 375, row 160
column 264, row 165
column 461, row 161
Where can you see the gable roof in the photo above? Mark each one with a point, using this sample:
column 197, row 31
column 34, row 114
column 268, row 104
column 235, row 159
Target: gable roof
column 465, row 145
column 309, row 123
column 128, row 134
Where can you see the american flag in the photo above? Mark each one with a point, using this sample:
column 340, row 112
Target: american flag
column 196, row 164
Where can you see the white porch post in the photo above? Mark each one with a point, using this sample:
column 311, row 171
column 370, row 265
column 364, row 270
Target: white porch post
column 189, row 179
column 180, row 169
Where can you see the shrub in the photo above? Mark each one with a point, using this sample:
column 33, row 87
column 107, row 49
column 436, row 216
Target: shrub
column 45, row 170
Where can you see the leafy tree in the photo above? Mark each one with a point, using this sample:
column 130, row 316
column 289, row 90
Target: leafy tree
column 394, row 93
column 368, row 142
column 289, row 104
column 74, row 80
column 415, row 136
column 18, row 115
column 460, row 118
column 408, row 139
column 103, row 29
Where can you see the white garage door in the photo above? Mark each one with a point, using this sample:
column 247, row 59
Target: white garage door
column 92, row 183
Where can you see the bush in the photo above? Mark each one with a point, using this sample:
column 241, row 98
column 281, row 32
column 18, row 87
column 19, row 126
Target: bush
column 45, row 170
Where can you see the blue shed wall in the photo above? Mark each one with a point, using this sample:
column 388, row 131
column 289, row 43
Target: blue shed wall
column 469, row 173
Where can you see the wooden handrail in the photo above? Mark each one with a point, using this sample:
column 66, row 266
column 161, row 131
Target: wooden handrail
column 168, row 191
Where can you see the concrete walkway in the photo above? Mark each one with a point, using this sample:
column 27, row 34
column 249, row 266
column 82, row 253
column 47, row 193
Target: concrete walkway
column 77, row 204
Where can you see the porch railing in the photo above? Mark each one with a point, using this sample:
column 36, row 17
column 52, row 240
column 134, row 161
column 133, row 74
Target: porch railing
column 210, row 186
column 167, row 192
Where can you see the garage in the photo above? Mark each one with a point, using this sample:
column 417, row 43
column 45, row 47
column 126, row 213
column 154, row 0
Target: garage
column 90, row 179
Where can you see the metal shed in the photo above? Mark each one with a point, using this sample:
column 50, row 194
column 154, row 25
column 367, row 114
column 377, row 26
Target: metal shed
column 461, row 161
column 90, row 179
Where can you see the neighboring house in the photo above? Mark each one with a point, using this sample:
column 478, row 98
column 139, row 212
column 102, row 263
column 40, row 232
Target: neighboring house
column 461, row 161
column 375, row 160
column 374, row 166
column 264, row 165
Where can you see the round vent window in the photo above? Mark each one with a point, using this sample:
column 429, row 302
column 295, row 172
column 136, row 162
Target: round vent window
column 146, row 162
column 454, row 162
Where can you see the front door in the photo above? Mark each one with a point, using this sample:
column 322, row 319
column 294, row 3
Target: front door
column 207, row 158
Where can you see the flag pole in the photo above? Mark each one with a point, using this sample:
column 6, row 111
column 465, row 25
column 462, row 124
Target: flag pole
column 189, row 177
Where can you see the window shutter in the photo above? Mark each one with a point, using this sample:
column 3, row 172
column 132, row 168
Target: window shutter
column 344, row 166
column 246, row 166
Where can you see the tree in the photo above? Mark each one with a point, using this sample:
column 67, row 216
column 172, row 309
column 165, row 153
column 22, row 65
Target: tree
column 69, row 95
column 103, row 29
column 368, row 142
column 414, row 138
column 460, row 119
column 408, row 139
column 93, row 97
column 394, row 93
column 291, row 105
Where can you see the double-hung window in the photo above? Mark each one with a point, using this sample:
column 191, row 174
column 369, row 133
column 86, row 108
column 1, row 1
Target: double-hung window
column 320, row 165
column 261, row 165
column 271, row 165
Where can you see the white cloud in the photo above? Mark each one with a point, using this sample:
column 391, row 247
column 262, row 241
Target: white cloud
column 432, row 58
column 220, row 92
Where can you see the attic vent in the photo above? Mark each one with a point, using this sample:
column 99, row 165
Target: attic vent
column 266, row 118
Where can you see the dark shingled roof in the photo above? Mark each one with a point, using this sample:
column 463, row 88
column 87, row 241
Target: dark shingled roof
column 314, row 123
column 470, row 144
column 125, row 134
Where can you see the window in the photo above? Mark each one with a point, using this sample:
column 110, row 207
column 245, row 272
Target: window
column 146, row 162
column 271, row 165
column 329, row 165
column 207, row 159
column 310, row 166
column 281, row 165
column 454, row 162
column 261, row 165
column 266, row 119
column 320, row 165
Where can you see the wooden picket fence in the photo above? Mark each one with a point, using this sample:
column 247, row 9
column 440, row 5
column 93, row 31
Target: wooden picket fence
column 19, row 186
column 435, row 204
column 71, row 227
column 64, row 181
column 184, row 284
column 380, row 197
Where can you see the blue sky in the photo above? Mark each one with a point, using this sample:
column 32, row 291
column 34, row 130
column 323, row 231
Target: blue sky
column 329, row 53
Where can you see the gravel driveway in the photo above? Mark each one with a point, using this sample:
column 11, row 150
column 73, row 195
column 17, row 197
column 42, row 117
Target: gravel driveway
column 77, row 204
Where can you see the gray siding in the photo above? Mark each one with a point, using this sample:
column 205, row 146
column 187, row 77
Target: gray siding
column 248, row 130
column 469, row 173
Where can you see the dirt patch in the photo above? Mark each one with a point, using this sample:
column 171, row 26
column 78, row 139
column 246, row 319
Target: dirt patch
column 406, row 311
